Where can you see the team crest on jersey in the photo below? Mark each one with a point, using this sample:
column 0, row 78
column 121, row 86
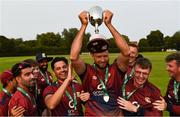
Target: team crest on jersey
column 39, row 91
column 147, row 99
column 127, row 93
column 78, row 94
column 42, row 79
column 94, row 77
column 34, row 106
column 109, row 74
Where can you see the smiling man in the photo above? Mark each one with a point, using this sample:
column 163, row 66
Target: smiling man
column 172, row 97
column 138, row 93
column 101, row 79
column 64, row 97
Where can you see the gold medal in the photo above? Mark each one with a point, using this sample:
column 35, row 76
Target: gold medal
column 106, row 98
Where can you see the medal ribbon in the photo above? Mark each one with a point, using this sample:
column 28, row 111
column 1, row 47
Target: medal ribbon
column 7, row 92
column 46, row 77
column 74, row 95
column 106, row 79
column 176, row 87
column 126, row 79
column 27, row 95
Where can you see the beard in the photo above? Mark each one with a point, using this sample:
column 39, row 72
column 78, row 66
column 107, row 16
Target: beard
column 102, row 68
column 44, row 68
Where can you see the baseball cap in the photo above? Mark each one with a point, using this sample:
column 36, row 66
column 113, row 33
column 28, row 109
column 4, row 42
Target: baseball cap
column 16, row 69
column 42, row 56
column 97, row 43
column 5, row 77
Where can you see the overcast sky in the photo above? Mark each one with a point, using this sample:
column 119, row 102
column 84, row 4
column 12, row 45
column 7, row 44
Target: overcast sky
column 134, row 18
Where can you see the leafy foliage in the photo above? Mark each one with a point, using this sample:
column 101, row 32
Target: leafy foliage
column 55, row 43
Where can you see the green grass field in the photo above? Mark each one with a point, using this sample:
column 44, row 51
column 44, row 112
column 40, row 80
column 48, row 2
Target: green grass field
column 158, row 76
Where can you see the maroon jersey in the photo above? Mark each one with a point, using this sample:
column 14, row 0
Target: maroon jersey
column 173, row 105
column 65, row 107
column 143, row 96
column 129, row 70
column 19, row 99
column 4, row 101
column 42, row 83
column 97, row 105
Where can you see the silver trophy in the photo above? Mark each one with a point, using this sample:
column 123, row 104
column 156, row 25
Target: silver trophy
column 96, row 17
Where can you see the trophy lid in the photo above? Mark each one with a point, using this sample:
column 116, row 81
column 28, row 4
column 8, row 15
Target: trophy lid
column 97, row 43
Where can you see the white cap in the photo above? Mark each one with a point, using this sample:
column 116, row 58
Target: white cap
column 97, row 36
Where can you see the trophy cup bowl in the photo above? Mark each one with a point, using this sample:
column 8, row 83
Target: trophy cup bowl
column 96, row 17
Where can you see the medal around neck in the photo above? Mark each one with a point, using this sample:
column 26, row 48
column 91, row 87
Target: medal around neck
column 106, row 98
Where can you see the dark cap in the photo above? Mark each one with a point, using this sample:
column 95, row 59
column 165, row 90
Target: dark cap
column 5, row 77
column 42, row 56
column 16, row 69
column 97, row 43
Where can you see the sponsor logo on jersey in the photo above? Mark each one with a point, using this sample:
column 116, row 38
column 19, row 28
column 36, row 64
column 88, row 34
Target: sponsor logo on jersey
column 42, row 79
column 98, row 93
column 99, row 86
column 94, row 77
column 71, row 105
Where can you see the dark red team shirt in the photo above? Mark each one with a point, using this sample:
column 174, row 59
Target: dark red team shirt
column 19, row 99
column 96, row 105
column 173, row 104
column 63, row 107
column 4, row 101
column 41, row 85
column 144, row 96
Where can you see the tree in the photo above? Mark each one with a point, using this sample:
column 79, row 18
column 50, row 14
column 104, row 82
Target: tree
column 143, row 43
column 176, row 40
column 155, row 39
column 68, row 36
column 168, row 43
column 30, row 43
column 49, row 39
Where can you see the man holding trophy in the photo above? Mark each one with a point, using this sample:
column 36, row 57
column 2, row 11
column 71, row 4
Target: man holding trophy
column 102, row 80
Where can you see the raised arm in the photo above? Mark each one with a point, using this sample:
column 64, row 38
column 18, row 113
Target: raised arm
column 52, row 100
column 123, row 58
column 76, row 46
